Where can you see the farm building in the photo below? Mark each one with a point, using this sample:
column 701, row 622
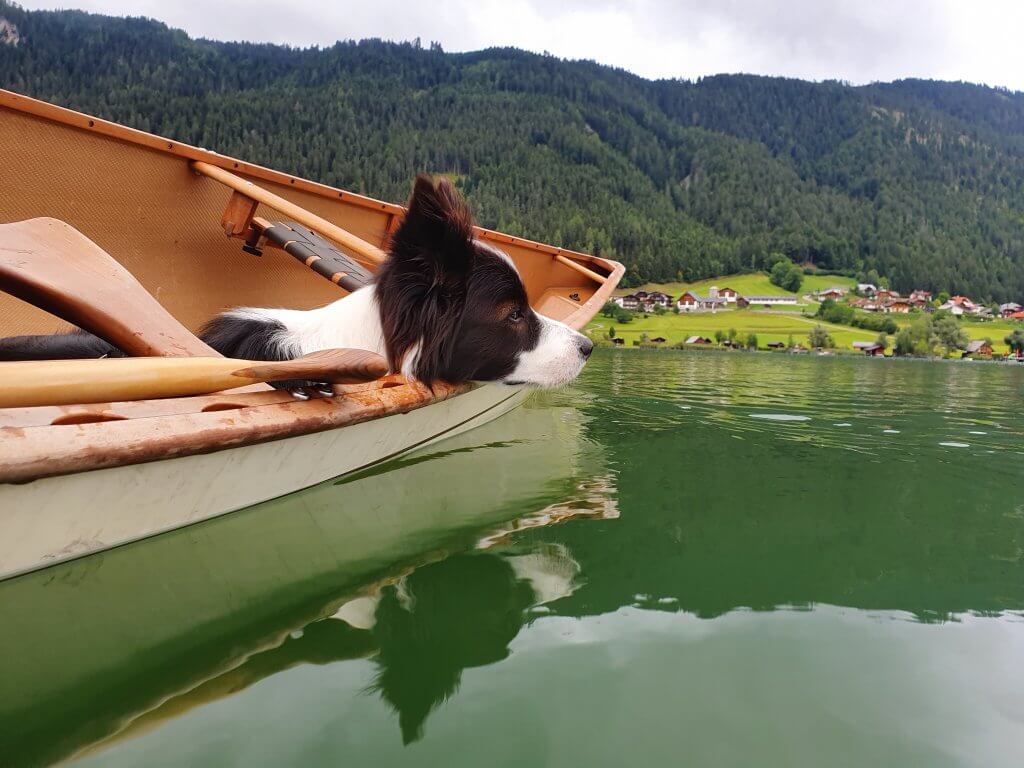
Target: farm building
column 729, row 294
column 978, row 348
column 871, row 348
column 768, row 301
column 694, row 302
column 835, row 293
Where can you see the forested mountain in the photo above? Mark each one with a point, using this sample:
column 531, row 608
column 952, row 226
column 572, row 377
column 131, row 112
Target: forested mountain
column 922, row 181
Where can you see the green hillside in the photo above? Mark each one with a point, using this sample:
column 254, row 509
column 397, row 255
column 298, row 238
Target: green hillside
column 752, row 284
column 922, row 181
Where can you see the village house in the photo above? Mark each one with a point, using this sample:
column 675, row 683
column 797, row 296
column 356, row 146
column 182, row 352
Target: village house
column 659, row 299
column 619, row 341
column 694, row 302
column 919, row 298
column 768, row 301
column 658, row 340
column 643, row 301
column 870, row 348
column 688, row 302
column 884, row 294
column 835, row 293
column 961, row 305
column 1008, row 309
column 728, row 294
column 899, row 306
column 978, row 348
column 697, row 340
column 867, row 289
column 776, row 345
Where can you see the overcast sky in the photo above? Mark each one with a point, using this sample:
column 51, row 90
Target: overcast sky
column 856, row 40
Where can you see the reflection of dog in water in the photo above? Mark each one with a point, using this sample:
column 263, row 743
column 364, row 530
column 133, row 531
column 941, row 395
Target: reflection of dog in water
column 457, row 613
column 422, row 631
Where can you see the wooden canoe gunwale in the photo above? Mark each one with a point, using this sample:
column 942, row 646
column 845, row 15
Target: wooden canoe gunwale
column 55, row 440
column 27, row 453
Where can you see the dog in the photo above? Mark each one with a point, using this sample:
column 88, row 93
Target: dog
column 444, row 306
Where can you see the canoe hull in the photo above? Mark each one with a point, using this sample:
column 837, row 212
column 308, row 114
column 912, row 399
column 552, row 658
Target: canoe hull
column 79, row 478
column 60, row 518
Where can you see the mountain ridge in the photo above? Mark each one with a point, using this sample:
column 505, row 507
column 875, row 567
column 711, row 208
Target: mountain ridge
column 922, row 181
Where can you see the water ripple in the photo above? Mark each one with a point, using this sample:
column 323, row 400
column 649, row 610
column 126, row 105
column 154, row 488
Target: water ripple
column 903, row 410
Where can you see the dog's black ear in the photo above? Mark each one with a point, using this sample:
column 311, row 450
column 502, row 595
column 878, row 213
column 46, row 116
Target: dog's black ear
column 421, row 288
column 437, row 230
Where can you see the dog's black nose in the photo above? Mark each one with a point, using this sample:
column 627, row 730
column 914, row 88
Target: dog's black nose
column 586, row 347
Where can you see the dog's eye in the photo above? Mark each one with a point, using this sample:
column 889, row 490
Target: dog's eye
column 515, row 315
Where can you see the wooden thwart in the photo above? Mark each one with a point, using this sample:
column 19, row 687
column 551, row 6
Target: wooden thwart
column 63, row 382
column 599, row 279
column 366, row 252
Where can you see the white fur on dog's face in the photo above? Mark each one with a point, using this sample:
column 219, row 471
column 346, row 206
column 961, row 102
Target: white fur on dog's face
column 557, row 359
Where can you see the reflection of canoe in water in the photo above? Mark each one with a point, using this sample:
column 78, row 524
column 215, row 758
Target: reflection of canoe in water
column 161, row 210
column 116, row 642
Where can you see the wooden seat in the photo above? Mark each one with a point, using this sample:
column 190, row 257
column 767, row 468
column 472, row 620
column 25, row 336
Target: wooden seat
column 55, row 267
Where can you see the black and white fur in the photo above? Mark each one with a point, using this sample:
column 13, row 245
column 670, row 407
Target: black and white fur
column 443, row 307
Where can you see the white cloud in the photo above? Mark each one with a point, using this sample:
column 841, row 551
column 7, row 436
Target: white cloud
column 855, row 40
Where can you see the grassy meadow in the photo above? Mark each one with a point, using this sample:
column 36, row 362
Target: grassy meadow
column 755, row 284
column 769, row 325
column 775, row 324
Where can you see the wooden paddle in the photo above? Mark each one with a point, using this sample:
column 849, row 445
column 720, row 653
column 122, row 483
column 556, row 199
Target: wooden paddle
column 65, row 382
column 55, row 267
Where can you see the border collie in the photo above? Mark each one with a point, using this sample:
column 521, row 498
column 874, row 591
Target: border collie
column 444, row 306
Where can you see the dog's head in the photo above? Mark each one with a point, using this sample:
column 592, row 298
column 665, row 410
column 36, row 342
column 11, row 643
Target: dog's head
column 455, row 309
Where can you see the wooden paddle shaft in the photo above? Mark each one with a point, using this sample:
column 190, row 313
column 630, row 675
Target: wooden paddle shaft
column 65, row 382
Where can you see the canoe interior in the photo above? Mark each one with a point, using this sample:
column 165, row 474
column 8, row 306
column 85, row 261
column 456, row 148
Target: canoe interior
column 136, row 196
column 140, row 198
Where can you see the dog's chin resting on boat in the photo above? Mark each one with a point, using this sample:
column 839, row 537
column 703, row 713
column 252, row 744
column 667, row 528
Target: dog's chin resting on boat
column 443, row 307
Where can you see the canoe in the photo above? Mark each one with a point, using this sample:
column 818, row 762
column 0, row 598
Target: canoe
column 78, row 478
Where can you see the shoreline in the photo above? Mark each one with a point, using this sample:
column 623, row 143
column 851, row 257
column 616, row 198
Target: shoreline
column 844, row 354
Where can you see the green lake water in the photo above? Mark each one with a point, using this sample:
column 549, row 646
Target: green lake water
column 683, row 559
